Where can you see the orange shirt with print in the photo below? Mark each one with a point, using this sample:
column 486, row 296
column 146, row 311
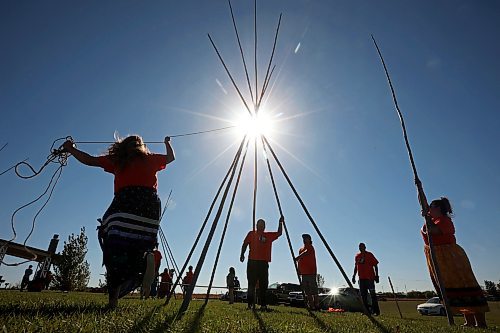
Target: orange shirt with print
column 139, row 172
column 447, row 229
column 365, row 261
column 307, row 263
column 260, row 243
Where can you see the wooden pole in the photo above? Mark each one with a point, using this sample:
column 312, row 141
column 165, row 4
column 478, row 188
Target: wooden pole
column 421, row 197
column 395, row 297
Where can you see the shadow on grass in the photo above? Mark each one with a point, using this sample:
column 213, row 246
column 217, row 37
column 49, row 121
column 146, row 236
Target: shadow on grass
column 322, row 325
column 139, row 324
column 53, row 310
column 262, row 325
column 192, row 326
column 380, row 327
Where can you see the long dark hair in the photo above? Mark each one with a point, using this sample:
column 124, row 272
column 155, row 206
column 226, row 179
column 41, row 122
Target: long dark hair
column 444, row 205
column 125, row 150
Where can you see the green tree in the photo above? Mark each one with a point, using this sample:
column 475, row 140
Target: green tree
column 72, row 271
column 491, row 288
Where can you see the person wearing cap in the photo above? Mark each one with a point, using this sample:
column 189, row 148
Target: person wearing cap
column 308, row 272
column 260, row 243
column 367, row 270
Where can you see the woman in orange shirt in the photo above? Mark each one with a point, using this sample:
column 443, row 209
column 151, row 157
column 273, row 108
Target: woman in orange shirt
column 129, row 226
column 463, row 291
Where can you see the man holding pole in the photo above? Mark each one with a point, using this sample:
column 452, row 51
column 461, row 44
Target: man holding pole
column 308, row 272
column 260, row 243
column 366, row 267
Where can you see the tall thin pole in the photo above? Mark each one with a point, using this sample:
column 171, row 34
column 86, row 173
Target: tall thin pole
column 201, row 260
column 255, row 51
column 241, row 52
column 179, row 277
column 267, row 77
column 254, row 186
column 226, row 223
column 421, row 197
column 230, row 76
column 284, row 224
column 395, row 297
column 325, row 243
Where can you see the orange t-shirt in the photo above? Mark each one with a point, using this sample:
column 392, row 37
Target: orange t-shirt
column 165, row 277
column 307, row 263
column 188, row 278
column 447, row 228
column 158, row 257
column 139, row 172
column 364, row 264
column 260, row 244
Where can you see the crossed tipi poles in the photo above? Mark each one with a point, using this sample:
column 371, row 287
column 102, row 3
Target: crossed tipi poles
column 233, row 175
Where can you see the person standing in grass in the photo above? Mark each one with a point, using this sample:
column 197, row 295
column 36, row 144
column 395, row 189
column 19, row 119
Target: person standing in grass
column 260, row 243
column 464, row 293
column 230, row 278
column 366, row 266
column 129, row 226
column 26, row 277
column 157, row 257
column 308, row 272
column 187, row 279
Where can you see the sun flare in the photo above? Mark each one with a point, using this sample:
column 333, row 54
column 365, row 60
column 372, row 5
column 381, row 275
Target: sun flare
column 255, row 125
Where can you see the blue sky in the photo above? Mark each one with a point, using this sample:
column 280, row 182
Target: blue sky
column 91, row 68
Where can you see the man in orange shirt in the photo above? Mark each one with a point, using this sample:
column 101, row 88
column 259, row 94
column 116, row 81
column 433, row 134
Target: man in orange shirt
column 367, row 269
column 308, row 272
column 260, row 243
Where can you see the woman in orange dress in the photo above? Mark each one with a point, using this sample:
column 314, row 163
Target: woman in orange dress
column 464, row 293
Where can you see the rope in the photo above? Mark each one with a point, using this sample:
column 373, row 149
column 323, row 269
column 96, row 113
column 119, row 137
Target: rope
column 5, row 145
column 171, row 136
column 56, row 156
column 226, row 224
column 204, row 224
column 12, row 167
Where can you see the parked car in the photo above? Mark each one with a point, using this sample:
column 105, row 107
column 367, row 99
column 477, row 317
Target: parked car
column 342, row 298
column 296, row 298
column 239, row 296
column 433, row 306
column 278, row 292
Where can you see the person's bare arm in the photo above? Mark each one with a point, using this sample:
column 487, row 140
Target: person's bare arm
column 280, row 225
column 243, row 250
column 170, row 150
column 297, row 258
column 81, row 156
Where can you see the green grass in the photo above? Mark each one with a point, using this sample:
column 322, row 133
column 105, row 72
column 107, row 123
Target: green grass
column 84, row 312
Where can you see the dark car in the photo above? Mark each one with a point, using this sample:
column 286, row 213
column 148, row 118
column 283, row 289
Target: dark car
column 239, row 296
column 342, row 298
column 278, row 292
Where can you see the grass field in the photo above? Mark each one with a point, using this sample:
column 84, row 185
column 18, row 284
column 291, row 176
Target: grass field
column 85, row 312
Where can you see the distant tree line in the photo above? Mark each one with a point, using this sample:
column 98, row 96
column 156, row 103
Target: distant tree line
column 492, row 290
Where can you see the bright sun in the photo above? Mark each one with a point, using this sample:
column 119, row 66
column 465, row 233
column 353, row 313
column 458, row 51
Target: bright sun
column 255, row 126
